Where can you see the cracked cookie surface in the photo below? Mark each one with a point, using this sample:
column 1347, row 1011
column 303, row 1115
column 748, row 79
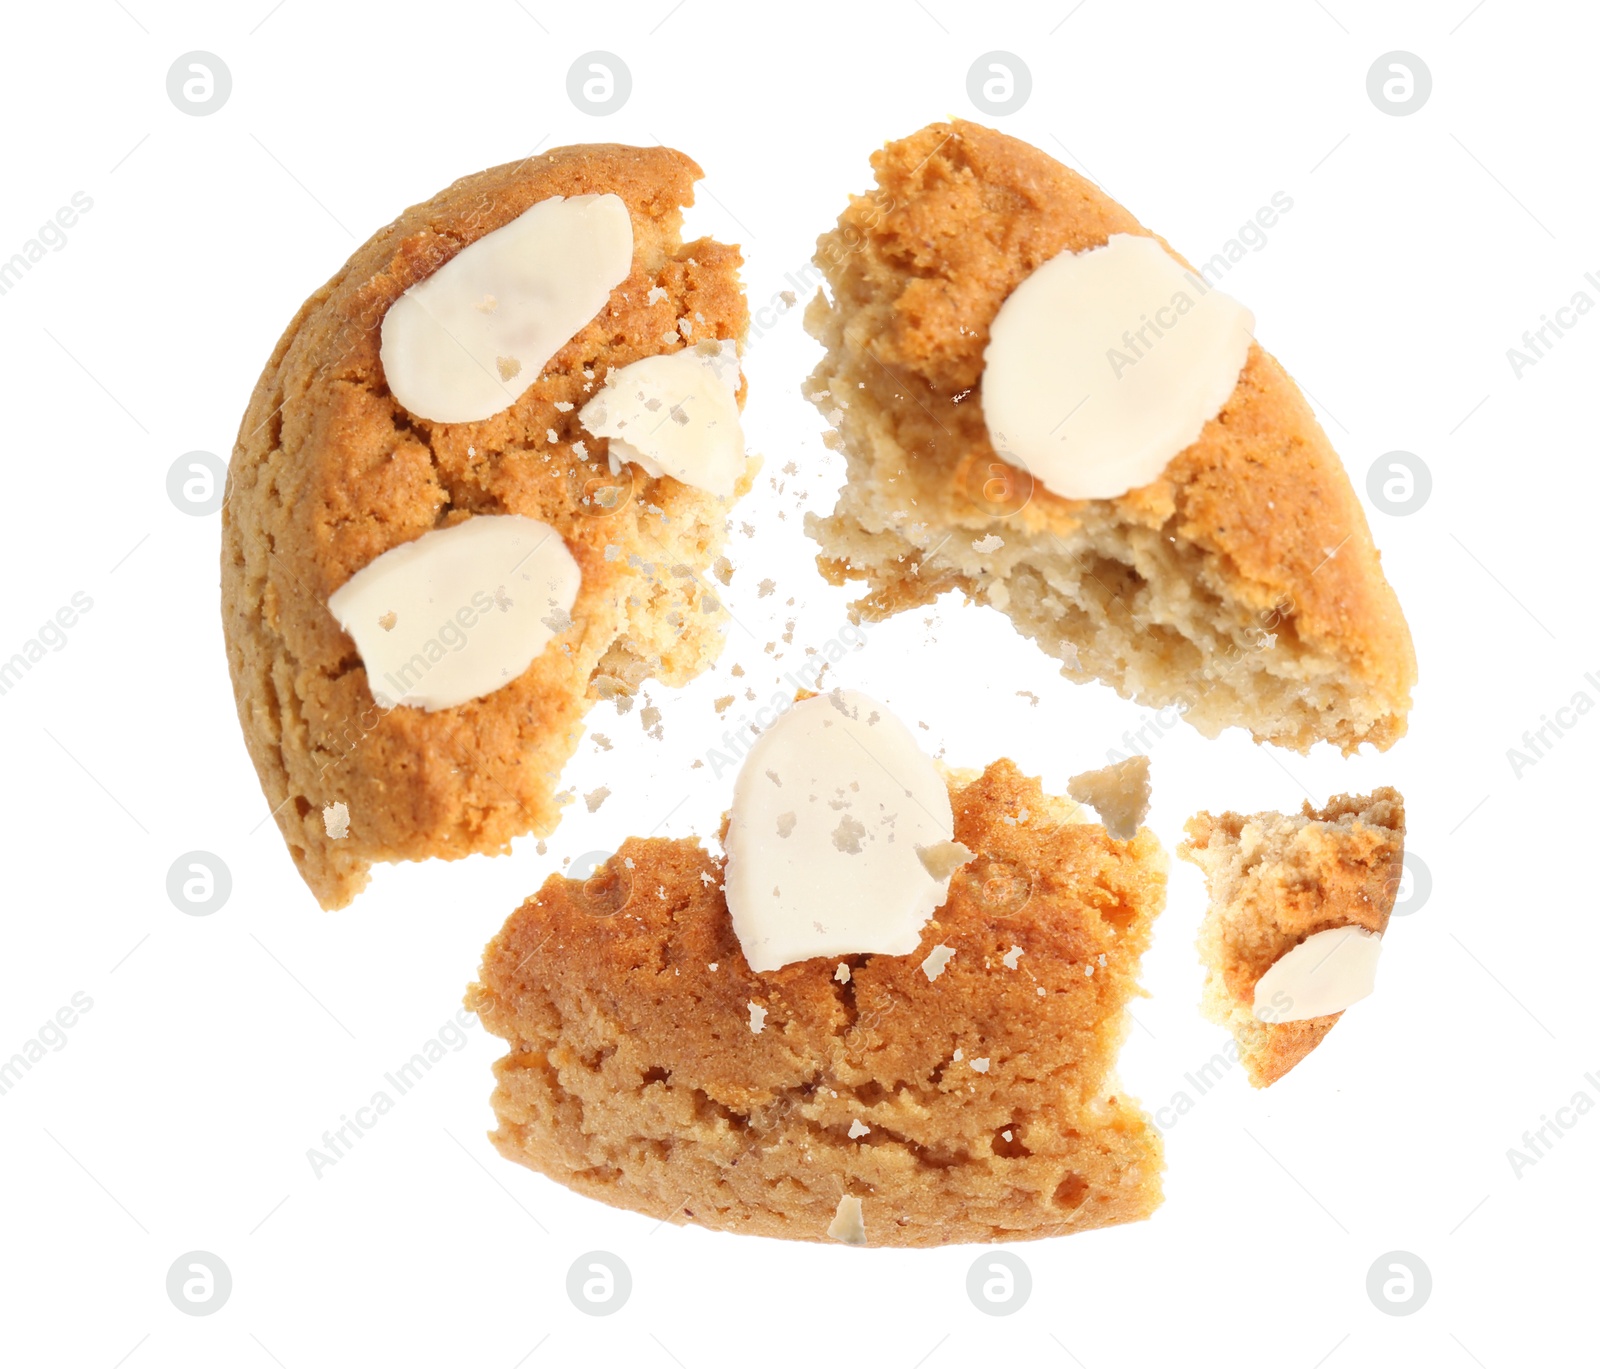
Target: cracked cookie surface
column 330, row 471
column 988, row 1094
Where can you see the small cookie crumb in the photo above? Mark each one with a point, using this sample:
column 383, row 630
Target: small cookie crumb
column 758, row 1018
column 943, row 858
column 847, row 836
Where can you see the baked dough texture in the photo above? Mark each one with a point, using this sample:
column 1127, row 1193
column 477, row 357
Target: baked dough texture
column 330, row 471
column 1274, row 879
column 992, row 1108
column 1118, row 793
column 1242, row 586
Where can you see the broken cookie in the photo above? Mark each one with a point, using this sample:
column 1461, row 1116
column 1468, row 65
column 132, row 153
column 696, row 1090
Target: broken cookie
column 431, row 568
column 1044, row 407
column 1297, row 908
column 879, row 1101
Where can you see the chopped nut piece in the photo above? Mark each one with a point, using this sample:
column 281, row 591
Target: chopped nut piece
column 336, row 820
column 848, row 1225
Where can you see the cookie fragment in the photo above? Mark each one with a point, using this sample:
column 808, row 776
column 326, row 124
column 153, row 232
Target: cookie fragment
column 1273, row 880
column 1119, row 793
column 329, row 472
column 632, row 1075
column 1241, row 586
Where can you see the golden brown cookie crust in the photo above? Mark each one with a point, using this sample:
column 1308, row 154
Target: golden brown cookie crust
column 1259, row 507
column 634, row 1076
column 1273, row 881
column 329, row 472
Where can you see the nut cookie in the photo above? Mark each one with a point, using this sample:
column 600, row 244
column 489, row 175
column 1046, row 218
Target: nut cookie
column 963, row 1092
column 330, row 471
column 1275, row 879
column 1242, row 585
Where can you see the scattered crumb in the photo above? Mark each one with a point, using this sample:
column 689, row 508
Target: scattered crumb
column 596, row 797
column 388, row 621
column 773, row 776
column 847, row 837
column 723, row 704
column 786, row 822
column 842, row 974
column 336, row 820
column 1119, row 793
column 562, row 407
column 943, row 858
column 938, row 958
column 1030, row 696
column 765, row 588
column 507, row 366
column 602, row 741
column 722, row 568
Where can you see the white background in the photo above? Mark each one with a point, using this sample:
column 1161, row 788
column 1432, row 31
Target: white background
column 178, row 1114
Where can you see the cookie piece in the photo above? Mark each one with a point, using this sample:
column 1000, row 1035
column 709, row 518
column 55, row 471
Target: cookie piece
column 652, row 1069
column 1241, row 586
column 1274, row 879
column 330, row 471
column 1119, row 793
